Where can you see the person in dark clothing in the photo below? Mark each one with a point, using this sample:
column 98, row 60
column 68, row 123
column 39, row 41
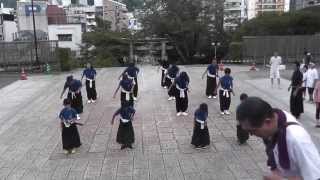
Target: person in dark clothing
column 226, row 83
column 212, row 75
column 125, row 135
column 164, row 69
column 296, row 98
column 126, row 97
column 180, row 88
column 132, row 72
column 69, row 133
column 201, row 137
column 90, row 73
column 74, row 94
column 242, row 135
column 171, row 75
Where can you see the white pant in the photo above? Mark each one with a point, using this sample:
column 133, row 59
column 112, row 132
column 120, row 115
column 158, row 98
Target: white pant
column 274, row 74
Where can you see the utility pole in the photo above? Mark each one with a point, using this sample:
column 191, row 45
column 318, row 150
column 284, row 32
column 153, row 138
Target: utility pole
column 219, row 15
column 35, row 36
column 117, row 21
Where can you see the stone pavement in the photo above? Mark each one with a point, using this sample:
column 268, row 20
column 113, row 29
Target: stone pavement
column 30, row 137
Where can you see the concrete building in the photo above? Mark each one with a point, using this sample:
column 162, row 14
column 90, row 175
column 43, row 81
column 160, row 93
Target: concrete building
column 74, row 2
column 56, row 15
column 84, row 15
column 67, row 35
column 251, row 9
column 99, row 11
column 235, row 12
column 24, row 16
column 8, row 27
column 4, row 10
column 116, row 13
column 278, row 6
column 259, row 7
column 301, row 4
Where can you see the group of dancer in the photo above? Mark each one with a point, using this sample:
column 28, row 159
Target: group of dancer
column 289, row 148
column 73, row 107
column 129, row 94
column 177, row 84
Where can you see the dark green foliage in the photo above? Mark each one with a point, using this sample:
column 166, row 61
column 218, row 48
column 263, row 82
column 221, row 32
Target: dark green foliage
column 104, row 47
column 235, row 50
column 187, row 24
column 64, row 55
column 292, row 23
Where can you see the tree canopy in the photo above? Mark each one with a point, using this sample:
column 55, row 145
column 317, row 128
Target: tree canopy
column 103, row 46
column 291, row 23
column 187, row 24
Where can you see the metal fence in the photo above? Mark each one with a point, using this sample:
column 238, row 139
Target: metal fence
column 291, row 48
column 22, row 54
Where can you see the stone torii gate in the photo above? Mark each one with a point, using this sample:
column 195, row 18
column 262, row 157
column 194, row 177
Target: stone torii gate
column 147, row 45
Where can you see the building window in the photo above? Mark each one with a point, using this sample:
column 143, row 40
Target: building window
column 65, row 37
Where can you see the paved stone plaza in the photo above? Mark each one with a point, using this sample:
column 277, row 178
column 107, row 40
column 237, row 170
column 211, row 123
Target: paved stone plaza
column 30, row 137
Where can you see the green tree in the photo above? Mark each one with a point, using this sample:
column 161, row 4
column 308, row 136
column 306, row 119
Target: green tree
column 188, row 24
column 104, row 47
column 292, row 23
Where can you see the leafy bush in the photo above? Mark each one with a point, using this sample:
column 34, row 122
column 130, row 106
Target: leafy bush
column 236, row 50
column 64, row 55
column 67, row 62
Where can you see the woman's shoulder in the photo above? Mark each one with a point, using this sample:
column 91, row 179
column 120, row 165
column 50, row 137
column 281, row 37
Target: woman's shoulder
column 63, row 110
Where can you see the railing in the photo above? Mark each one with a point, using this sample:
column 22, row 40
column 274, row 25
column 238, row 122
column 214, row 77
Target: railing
column 22, row 53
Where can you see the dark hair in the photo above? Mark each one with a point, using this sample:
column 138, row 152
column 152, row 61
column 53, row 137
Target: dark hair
column 69, row 78
column 203, row 107
column 297, row 65
column 124, row 76
column 132, row 64
column 66, row 102
column 184, row 76
column 254, row 110
column 243, row 96
column 68, row 82
column 174, row 66
column 227, row 71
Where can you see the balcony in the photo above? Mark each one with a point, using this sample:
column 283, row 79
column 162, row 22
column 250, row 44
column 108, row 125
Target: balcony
column 92, row 16
column 91, row 23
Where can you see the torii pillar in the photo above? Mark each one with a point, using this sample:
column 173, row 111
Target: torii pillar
column 163, row 51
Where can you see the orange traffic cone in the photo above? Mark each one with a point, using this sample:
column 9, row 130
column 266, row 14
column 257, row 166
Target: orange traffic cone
column 23, row 75
column 221, row 67
column 253, row 67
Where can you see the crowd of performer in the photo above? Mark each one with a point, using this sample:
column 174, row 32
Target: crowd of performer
column 290, row 150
